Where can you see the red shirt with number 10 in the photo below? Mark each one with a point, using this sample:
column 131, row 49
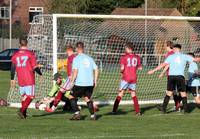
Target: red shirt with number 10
column 131, row 63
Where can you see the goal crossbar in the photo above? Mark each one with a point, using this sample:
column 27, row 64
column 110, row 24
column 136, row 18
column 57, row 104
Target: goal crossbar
column 126, row 17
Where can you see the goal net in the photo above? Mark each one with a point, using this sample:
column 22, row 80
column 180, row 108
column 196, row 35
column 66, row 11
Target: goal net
column 104, row 37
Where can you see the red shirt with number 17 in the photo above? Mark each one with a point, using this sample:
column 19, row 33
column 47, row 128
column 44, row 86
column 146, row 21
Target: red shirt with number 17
column 25, row 62
column 131, row 62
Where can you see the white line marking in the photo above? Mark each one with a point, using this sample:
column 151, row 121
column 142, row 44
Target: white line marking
column 125, row 136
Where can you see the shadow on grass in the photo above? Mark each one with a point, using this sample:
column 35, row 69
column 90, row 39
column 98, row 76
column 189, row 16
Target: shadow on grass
column 148, row 108
column 192, row 106
column 52, row 113
column 119, row 112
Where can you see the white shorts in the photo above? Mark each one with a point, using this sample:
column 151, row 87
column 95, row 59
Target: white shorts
column 27, row 90
column 125, row 85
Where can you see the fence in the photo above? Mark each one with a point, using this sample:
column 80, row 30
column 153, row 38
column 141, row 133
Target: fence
column 5, row 43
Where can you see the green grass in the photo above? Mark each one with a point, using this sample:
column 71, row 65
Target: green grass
column 4, row 84
column 148, row 86
column 151, row 125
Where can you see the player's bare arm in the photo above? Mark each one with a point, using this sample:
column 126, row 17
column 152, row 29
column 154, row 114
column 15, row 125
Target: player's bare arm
column 157, row 68
column 96, row 74
column 139, row 68
column 164, row 71
column 74, row 75
column 121, row 68
column 197, row 59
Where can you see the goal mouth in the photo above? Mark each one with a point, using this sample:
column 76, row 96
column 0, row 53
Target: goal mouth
column 104, row 37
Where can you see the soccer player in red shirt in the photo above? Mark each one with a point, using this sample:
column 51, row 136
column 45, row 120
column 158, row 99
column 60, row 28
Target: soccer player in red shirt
column 25, row 64
column 129, row 64
column 67, row 84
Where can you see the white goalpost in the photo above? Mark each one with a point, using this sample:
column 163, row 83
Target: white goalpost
column 104, row 37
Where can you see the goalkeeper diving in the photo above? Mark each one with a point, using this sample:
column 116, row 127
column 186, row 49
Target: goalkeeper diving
column 48, row 101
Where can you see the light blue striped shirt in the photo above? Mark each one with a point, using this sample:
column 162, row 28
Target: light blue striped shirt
column 191, row 70
column 177, row 63
column 85, row 66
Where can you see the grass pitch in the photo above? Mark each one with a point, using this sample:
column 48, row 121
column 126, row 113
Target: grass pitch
column 151, row 124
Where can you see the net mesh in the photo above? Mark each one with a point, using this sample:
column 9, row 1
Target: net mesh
column 104, row 40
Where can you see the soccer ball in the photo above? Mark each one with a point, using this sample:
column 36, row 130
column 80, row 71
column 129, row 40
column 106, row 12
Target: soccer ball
column 37, row 104
column 42, row 107
column 3, row 102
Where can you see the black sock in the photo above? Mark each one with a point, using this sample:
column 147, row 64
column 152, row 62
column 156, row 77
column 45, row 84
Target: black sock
column 90, row 107
column 184, row 100
column 180, row 98
column 197, row 105
column 175, row 97
column 51, row 104
column 165, row 102
column 74, row 105
column 67, row 106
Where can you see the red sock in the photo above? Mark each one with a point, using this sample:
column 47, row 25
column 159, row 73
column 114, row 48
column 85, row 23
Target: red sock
column 116, row 104
column 22, row 102
column 57, row 98
column 26, row 103
column 136, row 105
column 177, row 104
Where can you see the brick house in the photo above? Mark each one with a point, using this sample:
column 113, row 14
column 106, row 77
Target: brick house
column 23, row 11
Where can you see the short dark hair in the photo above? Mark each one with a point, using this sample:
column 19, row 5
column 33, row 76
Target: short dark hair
column 169, row 44
column 129, row 45
column 23, row 41
column 177, row 46
column 69, row 47
column 80, row 45
column 56, row 76
column 191, row 54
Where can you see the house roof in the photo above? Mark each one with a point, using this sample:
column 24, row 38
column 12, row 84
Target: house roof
column 150, row 11
column 134, row 29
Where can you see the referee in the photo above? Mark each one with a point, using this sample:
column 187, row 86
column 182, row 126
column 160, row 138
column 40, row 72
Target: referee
column 84, row 79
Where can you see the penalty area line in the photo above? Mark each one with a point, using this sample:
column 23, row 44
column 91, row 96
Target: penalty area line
column 125, row 136
column 7, row 114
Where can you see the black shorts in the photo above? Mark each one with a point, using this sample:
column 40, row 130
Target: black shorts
column 82, row 91
column 174, row 82
column 192, row 89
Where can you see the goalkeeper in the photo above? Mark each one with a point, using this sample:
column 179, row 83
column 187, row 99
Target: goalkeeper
column 49, row 100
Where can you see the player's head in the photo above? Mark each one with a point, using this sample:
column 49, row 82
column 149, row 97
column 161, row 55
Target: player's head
column 80, row 47
column 58, row 78
column 191, row 54
column 177, row 47
column 129, row 47
column 23, row 41
column 69, row 50
column 169, row 45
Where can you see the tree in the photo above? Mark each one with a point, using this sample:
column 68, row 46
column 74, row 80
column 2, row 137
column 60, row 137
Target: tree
column 129, row 3
column 101, row 6
column 67, row 6
column 107, row 6
column 186, row 7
